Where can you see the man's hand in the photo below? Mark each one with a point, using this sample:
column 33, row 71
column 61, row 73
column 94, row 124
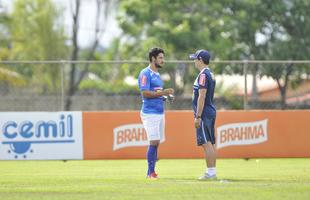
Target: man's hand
column 197, row 122
column 171, row 98
column 168, row 91
column 168, row 95
column 158, row 93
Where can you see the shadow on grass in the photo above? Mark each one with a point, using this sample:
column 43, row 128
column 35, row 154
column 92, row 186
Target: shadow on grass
column 222, row 180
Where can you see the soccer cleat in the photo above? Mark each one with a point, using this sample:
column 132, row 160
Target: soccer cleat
column 207, row 177
column 153, row 175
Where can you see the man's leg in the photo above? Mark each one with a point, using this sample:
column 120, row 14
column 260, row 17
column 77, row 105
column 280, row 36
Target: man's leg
column 152, row 124
column 210, row 155
column 209, row 148
column 160, row 136
column 152, row 156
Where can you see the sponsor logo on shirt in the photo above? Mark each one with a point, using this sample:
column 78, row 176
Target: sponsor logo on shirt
column 143, row 80
column 202, row 79
column 242, row 133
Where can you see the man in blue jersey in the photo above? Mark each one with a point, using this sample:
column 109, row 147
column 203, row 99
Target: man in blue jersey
column 152, row 112
column 205, row 111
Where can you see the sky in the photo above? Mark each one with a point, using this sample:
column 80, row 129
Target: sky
column 87, row 21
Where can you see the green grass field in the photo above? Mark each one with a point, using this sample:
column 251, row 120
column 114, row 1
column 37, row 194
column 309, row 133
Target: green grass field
column 125, row 179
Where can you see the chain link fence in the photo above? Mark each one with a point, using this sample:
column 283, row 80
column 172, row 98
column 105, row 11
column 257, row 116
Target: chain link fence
column 112, row 85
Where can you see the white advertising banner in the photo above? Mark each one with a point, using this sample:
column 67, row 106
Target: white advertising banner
column 245, row 133
column 130, row 135
column 41, row 135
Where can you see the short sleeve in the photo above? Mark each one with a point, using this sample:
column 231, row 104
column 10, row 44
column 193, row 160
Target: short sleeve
column 144, row 82
column 202, row 80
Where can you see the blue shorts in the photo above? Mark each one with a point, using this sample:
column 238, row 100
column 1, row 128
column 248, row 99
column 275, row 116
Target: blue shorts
column 205, row 133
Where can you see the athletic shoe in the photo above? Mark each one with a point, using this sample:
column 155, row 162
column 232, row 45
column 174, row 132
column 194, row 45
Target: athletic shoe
column 207, row 177
column 153, row 175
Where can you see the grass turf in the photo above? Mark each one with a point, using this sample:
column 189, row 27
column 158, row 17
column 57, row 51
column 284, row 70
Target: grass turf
column 125, row 179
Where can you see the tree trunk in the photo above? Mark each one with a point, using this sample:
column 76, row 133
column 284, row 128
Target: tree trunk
column 283, row 94
column 74, row 56
column 73, row 84
column 283, row 89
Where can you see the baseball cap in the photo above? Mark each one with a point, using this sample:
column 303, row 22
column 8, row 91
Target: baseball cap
column 203, row 54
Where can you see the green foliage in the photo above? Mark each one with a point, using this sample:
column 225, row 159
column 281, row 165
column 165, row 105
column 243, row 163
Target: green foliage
column 36, row 34
column 109, row 77
column 288, row 33
column 117, row 87
column 179, row 27
column 8, row 77
column 228, row 94
column 261, row 30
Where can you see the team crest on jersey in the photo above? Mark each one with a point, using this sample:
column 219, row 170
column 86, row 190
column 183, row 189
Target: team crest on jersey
column 202, row 79
column 143, row 80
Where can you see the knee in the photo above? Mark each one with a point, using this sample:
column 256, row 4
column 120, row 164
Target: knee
column 154, row 142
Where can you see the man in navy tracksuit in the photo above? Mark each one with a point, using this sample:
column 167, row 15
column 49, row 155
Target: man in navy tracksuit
column 205, row 111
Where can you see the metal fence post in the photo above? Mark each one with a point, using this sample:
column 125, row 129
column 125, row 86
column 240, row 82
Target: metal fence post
column 245, row 96
column 62, row 104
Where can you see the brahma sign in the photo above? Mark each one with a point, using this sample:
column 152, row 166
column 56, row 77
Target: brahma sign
column 243, row 133
column 239, row 134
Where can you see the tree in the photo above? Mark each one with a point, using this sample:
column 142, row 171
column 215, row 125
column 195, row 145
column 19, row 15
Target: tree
column 230, row 29
column 246, row 20
column 180, row 27
column 78, row 74
column 37, row 34
column 4, row 34
column 7, row 75
column 288, row 40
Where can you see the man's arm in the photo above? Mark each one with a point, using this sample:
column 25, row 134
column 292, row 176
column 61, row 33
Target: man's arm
column 153, row 94
column 200, row 105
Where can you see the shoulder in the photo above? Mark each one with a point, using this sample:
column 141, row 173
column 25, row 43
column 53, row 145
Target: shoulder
column 209, row 74
column 206, row 71
column 145, row 72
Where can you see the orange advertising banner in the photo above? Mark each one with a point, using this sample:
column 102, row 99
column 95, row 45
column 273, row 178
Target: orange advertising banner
column 239, row 134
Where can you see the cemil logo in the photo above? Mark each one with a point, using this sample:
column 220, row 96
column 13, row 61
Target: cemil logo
column 20, row 136
column 242, row 133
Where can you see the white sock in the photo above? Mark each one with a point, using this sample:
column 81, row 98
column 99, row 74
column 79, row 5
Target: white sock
column 211, row 171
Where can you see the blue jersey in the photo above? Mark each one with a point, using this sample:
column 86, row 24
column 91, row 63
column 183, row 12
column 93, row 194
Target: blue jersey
column 206, row 80
column 151, row 81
